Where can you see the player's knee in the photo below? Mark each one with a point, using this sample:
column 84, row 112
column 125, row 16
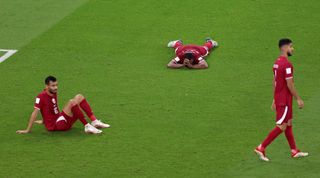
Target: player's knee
column 283, row 127
column 78, row 98
column 72, row 102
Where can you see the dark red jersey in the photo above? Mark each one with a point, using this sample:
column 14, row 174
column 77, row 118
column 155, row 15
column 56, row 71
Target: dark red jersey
column 48, row 106
column 282, row 70
column 198, row 53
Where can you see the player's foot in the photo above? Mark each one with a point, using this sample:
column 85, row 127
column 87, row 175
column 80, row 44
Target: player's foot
column 298, row 154
column 88, row 128
column 99, row 124
column 171, row 44
column 214, row 43
column 261, row 154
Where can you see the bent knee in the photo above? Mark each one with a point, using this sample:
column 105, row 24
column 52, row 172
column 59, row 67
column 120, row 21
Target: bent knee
column 78, row 98
column 72, row 102
column 283, row 126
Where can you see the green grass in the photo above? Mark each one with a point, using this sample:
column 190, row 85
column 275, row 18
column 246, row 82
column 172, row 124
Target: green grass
column 2, row 53
column 165, row 123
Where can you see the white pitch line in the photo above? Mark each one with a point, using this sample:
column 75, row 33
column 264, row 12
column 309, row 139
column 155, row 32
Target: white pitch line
column 9, row 52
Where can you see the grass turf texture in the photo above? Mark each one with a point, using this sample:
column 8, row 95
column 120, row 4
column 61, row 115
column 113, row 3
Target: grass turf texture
column 165, row 123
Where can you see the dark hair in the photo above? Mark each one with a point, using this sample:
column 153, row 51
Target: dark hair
column 188, row 55
column 49, row 79
column 284, row 41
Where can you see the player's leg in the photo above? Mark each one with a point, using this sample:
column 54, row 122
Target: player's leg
column 72, row 112
column 210, row 43
column 85, row 106
column 61, row 124
column 290, row 138
column 207, row 46
column 175, row 44
column 281, row 125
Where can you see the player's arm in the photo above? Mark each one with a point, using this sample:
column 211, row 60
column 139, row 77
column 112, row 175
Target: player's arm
column 201, row 65
column 174, row 63
column 294, row 92
column 273, row 105
column 32, row 119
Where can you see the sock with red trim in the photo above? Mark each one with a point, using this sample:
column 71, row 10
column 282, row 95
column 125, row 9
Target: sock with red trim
column 87, row 109
column 290, row 138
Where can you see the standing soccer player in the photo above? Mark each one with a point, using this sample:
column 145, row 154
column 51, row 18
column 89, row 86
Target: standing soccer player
column 54, row 120
column 191, row 56
column 284, row 89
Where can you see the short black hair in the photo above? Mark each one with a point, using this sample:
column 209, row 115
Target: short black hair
column 284, row 41
column 188, row 55
column 49, row 79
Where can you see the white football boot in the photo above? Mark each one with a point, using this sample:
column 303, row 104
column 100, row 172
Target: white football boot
column 261, row 154
column 172, row 43
column 214, row 43
column 298, row 154
column 99, row 124
column 88, row 128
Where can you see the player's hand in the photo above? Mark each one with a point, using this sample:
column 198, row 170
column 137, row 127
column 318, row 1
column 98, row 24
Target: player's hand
column 22, row 131
column 273, row 106
column 300, row 103
column 38, row 121
column 186, row 62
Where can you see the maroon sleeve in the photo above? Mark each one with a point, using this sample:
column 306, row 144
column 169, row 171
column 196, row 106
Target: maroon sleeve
column 288, row 71
column 38, row 102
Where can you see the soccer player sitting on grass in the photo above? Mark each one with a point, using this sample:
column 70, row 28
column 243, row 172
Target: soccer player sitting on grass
column 191, row 56
column 54, row 120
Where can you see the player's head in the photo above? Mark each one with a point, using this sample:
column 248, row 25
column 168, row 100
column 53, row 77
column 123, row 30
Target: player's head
column 188, row 55
column 51, row 84
column 286, row 46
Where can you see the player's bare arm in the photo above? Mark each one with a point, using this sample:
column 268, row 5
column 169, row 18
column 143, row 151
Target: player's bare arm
column 273, row 104
column 294, row 93
column 201, row 65
column 174, row 65
column 32, row 119
column 38, row 121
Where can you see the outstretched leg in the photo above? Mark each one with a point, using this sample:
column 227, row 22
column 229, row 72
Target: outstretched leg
column 207, row 46
column 175, row 44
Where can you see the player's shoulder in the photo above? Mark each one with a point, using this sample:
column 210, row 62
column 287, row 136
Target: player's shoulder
column 282, row 62
column 41, row 94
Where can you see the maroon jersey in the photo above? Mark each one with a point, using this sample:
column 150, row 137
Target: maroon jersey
column 282, row 70
column 48, row 105
column 198, row 52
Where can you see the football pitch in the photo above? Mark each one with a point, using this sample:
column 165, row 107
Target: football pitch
column 164, row 123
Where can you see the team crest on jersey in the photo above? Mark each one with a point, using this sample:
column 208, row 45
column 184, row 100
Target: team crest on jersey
column 53, row 101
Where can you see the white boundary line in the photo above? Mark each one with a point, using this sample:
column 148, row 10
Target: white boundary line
column 9, row 52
